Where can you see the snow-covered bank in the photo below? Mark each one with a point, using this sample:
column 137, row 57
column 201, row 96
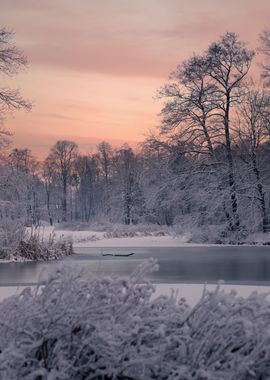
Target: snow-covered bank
column 91, row 238
column 141, row 241
column 103, row 239
column 130, row 237
column 124, row 236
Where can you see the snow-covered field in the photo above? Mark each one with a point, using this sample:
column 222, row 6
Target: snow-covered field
column 137, row 241
column 124, row 236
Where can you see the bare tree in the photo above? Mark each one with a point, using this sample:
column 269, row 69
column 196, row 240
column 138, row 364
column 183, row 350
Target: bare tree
column 87, row 194
column 63, row 155
column 49, row 177
column 22, row 160
column 228, row 62
column 12, row 61
column 190, row 103
column 198, row 105
column 25, row 168
column 105, row 152
column 254, row 115
column 127, row 172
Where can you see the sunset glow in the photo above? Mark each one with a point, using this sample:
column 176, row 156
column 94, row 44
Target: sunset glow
column 94, row 66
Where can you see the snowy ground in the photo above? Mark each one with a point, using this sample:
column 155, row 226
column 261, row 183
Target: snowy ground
column 137, row 238
column 137, row 241
column 99, row 239
column 76, row 236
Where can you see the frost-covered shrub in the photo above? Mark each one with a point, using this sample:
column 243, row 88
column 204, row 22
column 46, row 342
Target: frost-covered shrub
column 73, row 226
column 33, row 247
column 138, row 230
column 16, row 243
column 199, row 234
column 117, row 230
column 77, row 326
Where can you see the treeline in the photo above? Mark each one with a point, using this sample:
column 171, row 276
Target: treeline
column 206, row 165
column 69, row 186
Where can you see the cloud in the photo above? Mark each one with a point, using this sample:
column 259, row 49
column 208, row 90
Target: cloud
column 121, row 38
column 56, row 116
column 95, row 64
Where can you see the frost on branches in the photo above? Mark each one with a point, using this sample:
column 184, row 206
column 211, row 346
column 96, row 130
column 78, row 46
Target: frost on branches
column 77, row 326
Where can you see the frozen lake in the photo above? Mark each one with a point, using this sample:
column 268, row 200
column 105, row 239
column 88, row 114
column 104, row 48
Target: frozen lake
column 234, row 264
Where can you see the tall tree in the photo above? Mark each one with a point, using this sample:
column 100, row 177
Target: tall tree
column 105, row 153
column 254, row 116
column 199, row 99
column 49, row 174
column 228, row 63
column 23, row 173
column 87, row 194
column 132, row 197
column 63, row 155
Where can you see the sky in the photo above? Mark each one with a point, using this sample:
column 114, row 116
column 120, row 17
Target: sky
column 95, row 65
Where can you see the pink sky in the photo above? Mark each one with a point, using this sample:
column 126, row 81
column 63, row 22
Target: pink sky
column 95, row 65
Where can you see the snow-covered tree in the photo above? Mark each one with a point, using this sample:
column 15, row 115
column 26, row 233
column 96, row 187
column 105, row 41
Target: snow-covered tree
column 63, row 155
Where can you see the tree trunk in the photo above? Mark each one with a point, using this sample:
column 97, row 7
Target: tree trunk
column 207, row 137
column 234, row 225
column 64, row 200
column 265, row 221
column 49, row 205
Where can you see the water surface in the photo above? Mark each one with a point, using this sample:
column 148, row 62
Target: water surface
column 233, row 264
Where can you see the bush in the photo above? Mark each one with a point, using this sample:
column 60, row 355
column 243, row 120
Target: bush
column 77, row 326
column 34, row 248
column 138, row 230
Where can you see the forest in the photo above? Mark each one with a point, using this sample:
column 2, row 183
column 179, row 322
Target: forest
column 205, row 166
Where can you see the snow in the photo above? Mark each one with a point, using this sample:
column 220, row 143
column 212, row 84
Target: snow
column 76, row 236
column 137, row 241
column 102, row 239
column 8, row 291
column 99, row 239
